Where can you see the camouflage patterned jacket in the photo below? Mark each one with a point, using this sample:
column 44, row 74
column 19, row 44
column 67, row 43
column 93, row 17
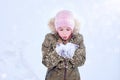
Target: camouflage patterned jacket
column 57, row 64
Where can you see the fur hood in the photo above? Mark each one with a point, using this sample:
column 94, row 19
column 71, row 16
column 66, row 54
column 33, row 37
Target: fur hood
column 52, row 26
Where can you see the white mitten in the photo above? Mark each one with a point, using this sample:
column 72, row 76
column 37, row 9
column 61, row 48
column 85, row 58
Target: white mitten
column 60, row 49
column 70, row 49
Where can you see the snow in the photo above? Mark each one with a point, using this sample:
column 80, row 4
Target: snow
column 23, row 25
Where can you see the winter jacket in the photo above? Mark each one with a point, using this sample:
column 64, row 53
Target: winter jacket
column 59, row 68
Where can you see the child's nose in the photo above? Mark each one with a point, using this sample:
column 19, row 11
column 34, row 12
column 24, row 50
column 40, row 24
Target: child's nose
column 64, row 32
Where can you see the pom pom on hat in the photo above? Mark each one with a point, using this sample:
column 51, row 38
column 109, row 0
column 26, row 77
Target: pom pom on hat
column 64, row 18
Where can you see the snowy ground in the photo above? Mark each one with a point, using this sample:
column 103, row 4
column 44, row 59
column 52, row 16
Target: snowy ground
column 23, row 25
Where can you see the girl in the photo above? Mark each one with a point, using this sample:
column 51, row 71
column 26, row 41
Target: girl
column 63, row 50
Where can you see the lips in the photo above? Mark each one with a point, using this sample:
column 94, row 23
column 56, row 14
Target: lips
column 64, row 37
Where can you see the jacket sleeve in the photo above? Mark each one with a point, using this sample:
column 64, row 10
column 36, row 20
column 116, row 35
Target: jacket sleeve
column 49, row 56
column 80, row 54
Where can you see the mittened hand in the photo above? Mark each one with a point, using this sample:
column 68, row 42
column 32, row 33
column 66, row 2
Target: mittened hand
column 60, row 49
column 70, row 49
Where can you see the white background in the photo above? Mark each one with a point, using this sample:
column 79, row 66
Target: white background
column 23, row 25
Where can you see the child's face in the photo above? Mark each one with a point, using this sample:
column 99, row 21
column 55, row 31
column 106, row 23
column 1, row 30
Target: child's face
column 64, row 32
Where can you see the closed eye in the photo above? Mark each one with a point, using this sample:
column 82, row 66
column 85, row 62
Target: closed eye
column 68, row 29
column 61, row 29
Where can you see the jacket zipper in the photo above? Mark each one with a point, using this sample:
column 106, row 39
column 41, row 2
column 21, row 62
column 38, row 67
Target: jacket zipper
column 65, row 71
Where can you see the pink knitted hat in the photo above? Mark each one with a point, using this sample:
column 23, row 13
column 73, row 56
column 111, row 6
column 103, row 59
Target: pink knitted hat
column 64, row 18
